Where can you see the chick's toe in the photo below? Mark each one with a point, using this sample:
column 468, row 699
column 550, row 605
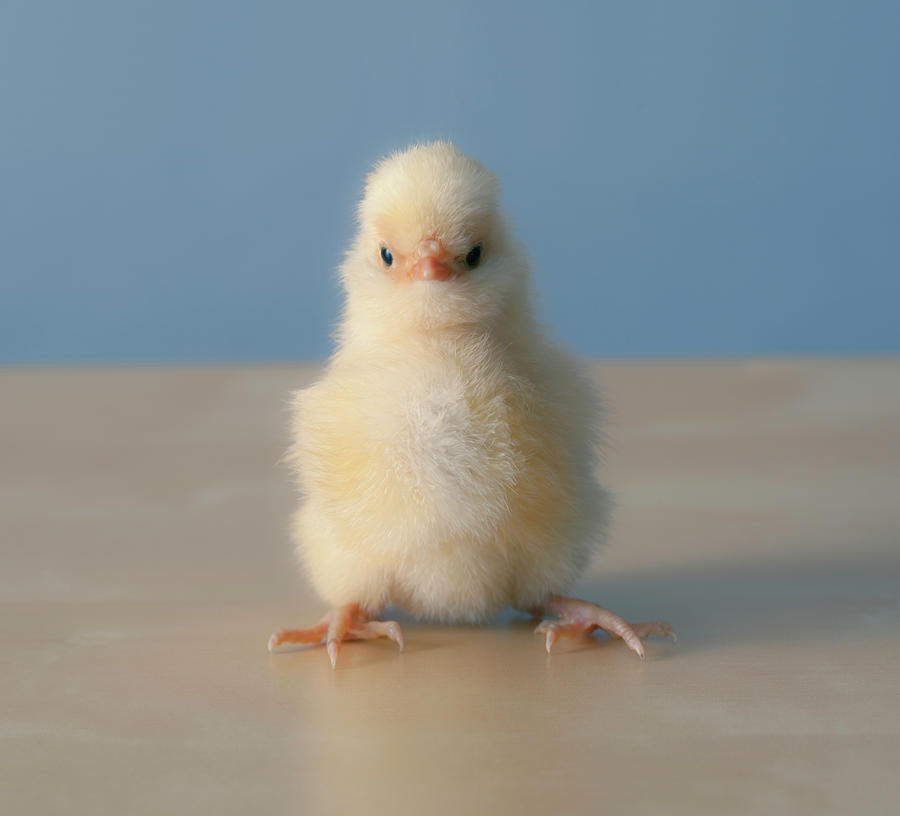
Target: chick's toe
column 576, row 617
column 348, row 622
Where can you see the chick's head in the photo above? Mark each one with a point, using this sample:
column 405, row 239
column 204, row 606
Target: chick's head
column 432, row 249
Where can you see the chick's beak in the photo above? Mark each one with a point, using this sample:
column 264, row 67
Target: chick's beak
column 432, row 263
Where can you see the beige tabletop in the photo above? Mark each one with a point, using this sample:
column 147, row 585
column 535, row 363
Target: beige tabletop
column 144, row 562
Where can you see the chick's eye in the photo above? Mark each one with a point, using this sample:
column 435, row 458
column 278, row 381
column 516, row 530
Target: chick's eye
column 473, row 258
column 386, row 256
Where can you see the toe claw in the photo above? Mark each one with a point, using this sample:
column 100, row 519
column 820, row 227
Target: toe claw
column 376, row 629
column 333, row 649
column 395, row 634
column 547, row 627
column 274, row 640
column 634, row 643
column 552, row 636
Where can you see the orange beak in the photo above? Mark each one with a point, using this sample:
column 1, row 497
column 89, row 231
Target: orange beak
column 432, row 263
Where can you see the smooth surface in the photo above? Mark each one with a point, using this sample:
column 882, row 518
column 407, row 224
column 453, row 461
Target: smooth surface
column 144, row 564
column 178, row 180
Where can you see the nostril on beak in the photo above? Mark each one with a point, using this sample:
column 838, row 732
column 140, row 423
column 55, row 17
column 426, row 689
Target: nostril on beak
column 429, row 247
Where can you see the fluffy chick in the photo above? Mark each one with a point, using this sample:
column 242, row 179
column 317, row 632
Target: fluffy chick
column 447, row 457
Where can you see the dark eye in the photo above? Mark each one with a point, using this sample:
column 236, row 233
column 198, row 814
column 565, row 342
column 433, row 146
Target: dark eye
column 474, row 256
column 386, row 256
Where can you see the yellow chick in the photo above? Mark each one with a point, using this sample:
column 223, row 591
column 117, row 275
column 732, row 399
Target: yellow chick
column 447, row 457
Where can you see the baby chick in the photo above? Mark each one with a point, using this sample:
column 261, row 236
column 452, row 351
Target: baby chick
column 447, row 457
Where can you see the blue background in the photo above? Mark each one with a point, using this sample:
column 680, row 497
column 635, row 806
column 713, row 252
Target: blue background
column 177, row 180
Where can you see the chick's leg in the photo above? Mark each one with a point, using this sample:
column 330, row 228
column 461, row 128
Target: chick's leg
column 575, row 617
column 348, row 622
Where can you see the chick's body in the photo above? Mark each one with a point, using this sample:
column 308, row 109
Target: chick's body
column 446, row 459
column 449, row 474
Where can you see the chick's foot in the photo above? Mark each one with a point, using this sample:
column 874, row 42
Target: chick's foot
column 348, row 622
column 575, row 617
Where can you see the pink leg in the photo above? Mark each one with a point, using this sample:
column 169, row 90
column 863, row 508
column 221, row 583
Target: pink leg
column 348, row 622
column 577, row 617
